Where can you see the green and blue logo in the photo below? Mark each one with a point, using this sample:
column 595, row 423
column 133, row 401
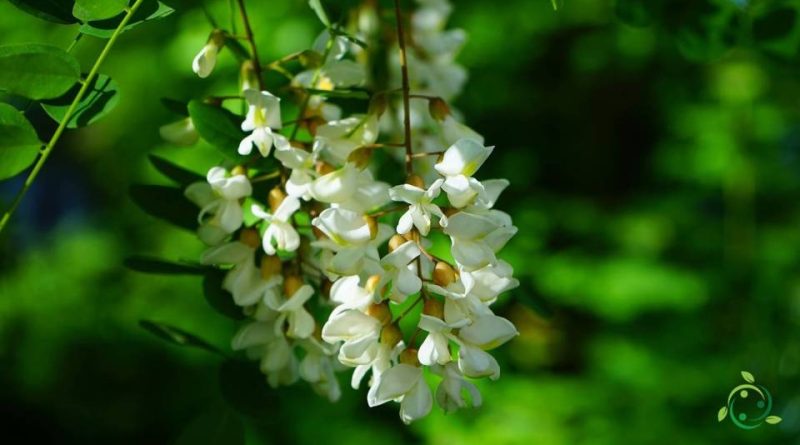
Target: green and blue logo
column 749, row 405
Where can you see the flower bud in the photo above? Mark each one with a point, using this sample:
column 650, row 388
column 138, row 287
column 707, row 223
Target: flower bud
column 275, row 198
column 438, row 108
column 372, row 283
column 409, row 357
column 391, row 335
column 449, row 211
column 323, row 168
column 291, row 284
column 181, row 132
column 360, row 156
column 270, row 266
column 239, row 170
column 416, row 181
column 395, row 242
column 443, row 274
column 250, row 237
column 381, row 312
column 372, row 223
column 248, row 75
column 434, row 308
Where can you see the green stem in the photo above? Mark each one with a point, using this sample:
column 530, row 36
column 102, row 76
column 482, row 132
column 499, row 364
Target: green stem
column 68, row 115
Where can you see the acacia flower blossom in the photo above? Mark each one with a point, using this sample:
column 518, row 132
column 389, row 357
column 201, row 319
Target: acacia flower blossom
column 420, row 208
column 280, row 230
column 218, row 198
column 263, row 116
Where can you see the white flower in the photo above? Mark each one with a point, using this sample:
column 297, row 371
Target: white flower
column 218, row 200
column 476, row 237
column 369, row 194
column 406, row 383
column 260, row 341
column 359, row 333
column 204, row 61
column 263, row 115
column 492, row 280
column 301, row 163
column 450, row 393
column 350, row 237
column 336, row 186
column 244, row 281
column 300, row 321
column 420, row 208
column 337, row 139
column 317, row 368
column 400, row 272
column 458, row 164
column 280, row 229
column 180, row 132
column 347, row 294
column 435, row 348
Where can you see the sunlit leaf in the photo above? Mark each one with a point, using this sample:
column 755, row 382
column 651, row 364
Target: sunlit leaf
column 722, row 413
column 178, row 336
column 88, row 10
column 316, row 5
column 218, row 126
column 159, row 266
column 174, row 172
column 37, row 71
column 19, row 144
column 56, row 11
column 149, row 11
column 167, row 203
column 748, row 377
column 101, row 97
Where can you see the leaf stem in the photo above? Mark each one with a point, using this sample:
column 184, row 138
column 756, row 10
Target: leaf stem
column 401, row 41
column 68, row 115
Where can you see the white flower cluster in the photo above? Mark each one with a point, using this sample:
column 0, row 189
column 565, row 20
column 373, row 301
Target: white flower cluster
column 363, row 274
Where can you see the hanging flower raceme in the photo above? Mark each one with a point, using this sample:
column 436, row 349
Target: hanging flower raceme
column 334, row 267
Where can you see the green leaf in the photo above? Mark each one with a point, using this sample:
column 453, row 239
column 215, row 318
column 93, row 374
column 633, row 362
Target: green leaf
column 772, row 420
column 214, row 427
column 101, row 97
column 37, row 71
column 722, row 413
column 178, row 336
column 167, row 203
column 149, row 11
column 174, row 172
column 152, row 265
column 316, row 5
column 176, row 106
column 19, row 144
column 748, row 377
column 56, row 11
column 88, row 10
column 217, row 297
column 218, row 126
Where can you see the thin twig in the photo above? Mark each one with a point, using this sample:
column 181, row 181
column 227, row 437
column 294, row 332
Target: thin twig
column 401, row 40
column 69, row 114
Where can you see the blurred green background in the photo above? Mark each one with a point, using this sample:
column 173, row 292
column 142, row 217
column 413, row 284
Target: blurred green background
column 654, row 153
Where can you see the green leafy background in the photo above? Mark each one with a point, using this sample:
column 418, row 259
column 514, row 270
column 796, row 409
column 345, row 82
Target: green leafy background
column 654, row 153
